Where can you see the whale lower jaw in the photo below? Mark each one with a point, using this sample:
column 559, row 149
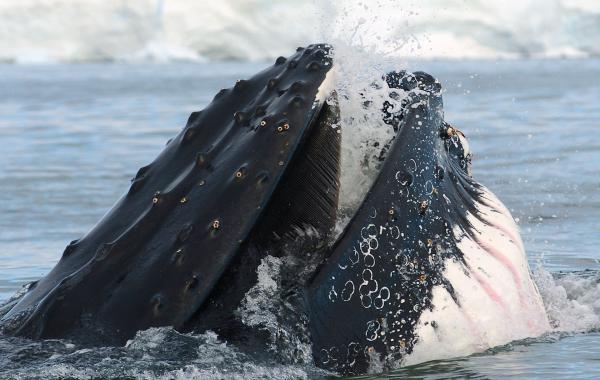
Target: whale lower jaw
column 432, row 264
column 496, row 305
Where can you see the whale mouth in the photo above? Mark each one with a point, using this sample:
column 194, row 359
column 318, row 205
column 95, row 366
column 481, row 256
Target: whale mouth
column 285, row 188
column 250, row 189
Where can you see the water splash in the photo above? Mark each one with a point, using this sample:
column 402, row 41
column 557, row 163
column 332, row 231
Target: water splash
column 363, row 54
column 572, row 300
column 272, row 306
column 156, row 353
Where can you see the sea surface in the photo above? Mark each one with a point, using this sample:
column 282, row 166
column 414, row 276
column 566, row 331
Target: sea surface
column 73, row 135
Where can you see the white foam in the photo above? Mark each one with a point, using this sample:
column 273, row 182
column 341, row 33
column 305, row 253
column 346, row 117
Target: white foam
column 257, row 307
column 264, row 307
column 247, row 371
column 572, row 300
column 358, row 80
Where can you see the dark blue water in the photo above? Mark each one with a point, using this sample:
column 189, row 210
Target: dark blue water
column 72, row 136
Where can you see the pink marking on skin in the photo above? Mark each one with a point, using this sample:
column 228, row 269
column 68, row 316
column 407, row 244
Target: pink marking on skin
column 534, row 327
column 503, row 259
column 490, row 291
column 508, row 264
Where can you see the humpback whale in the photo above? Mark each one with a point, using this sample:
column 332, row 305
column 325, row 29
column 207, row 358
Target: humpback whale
column 430, row 260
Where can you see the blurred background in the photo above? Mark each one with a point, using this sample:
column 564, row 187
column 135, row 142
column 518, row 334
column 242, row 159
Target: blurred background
column 166, row 30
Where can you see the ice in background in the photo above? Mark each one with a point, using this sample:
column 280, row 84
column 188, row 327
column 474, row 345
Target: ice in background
column 163, row 30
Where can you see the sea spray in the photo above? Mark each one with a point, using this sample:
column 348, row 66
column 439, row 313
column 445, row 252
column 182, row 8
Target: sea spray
column 358, row 32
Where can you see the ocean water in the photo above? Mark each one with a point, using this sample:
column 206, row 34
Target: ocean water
column 72, row 136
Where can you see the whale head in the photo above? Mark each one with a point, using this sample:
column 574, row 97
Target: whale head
column 431, row 261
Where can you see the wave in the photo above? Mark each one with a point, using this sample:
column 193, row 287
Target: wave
column 33, row 31
column 163, row 353
column 572, row 299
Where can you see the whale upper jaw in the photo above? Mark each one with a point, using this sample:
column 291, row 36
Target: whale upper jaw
column 157, row 256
